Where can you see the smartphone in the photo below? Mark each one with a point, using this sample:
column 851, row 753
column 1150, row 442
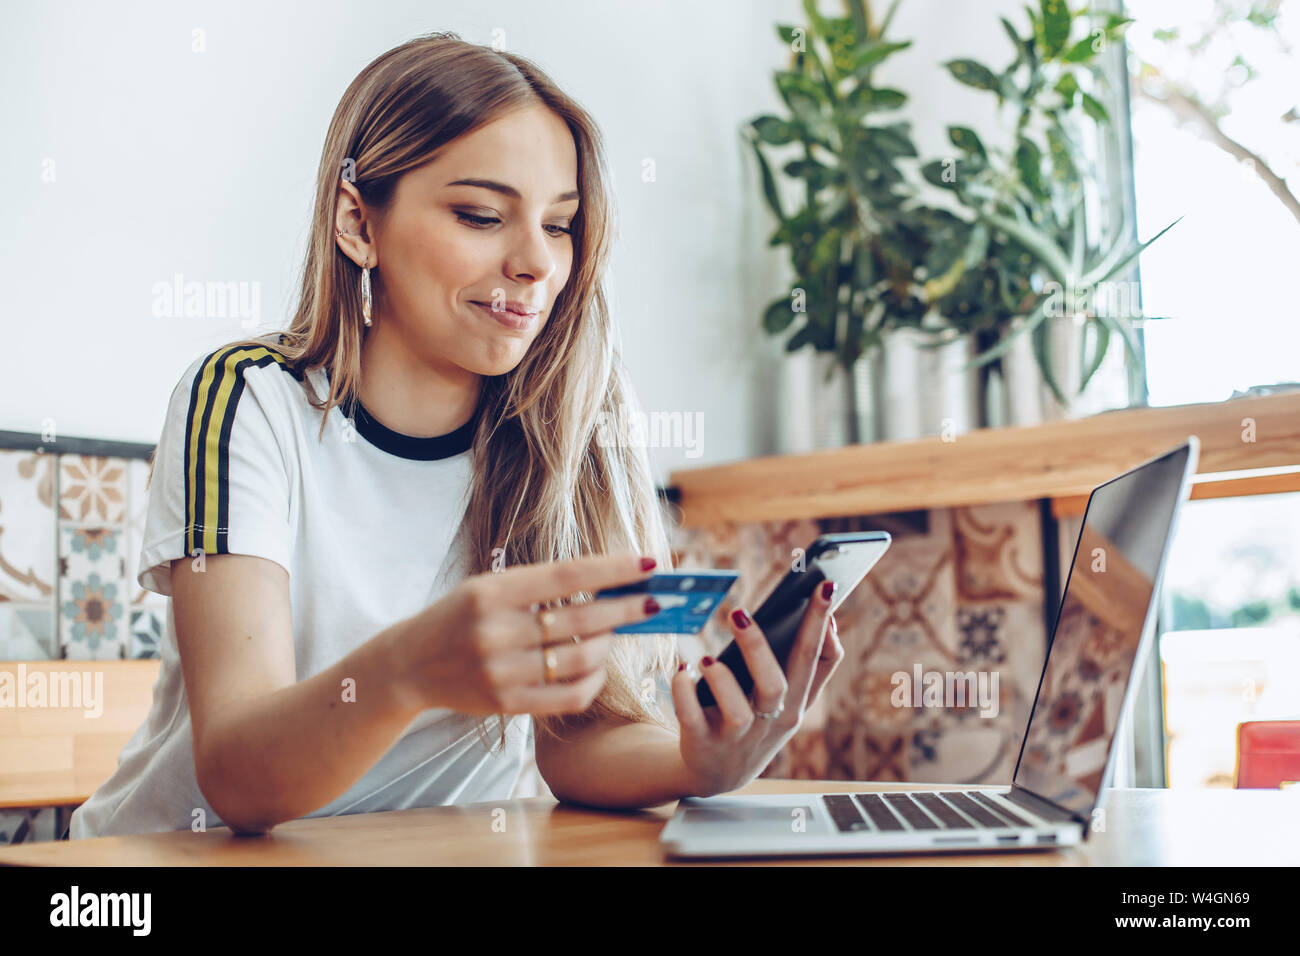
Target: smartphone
column 843, row 557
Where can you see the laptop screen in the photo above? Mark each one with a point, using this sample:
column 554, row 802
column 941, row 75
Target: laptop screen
column 1107, row 595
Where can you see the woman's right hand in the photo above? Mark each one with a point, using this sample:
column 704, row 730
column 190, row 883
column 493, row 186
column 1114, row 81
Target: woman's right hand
column 478, row 650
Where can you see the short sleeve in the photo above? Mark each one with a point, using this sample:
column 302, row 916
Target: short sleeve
column 220, row 480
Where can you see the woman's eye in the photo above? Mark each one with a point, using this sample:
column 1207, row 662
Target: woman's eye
column 480, row 221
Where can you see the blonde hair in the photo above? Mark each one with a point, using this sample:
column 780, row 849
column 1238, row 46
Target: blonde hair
column 544, row 487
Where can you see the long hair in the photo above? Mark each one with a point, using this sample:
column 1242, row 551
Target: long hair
column 545, row 487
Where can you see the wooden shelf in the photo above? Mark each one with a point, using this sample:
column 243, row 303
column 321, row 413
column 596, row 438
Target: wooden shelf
column 1061, row 460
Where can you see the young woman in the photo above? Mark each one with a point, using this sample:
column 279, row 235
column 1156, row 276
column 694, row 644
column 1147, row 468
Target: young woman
column 357, row 599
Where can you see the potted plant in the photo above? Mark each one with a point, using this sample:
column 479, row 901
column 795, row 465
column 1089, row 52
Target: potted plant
column 1022, row 262
column 852, row 240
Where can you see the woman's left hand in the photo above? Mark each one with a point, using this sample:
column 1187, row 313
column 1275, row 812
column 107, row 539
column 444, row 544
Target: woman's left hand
column 727, row 746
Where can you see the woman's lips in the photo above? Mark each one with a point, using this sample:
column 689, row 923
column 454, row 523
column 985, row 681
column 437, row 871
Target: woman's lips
column 510, row 320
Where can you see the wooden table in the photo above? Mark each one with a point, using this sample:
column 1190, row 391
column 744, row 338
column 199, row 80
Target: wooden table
column 1143, row 828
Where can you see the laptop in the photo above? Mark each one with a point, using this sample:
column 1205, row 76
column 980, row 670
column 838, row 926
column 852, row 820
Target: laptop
column 1102, row 637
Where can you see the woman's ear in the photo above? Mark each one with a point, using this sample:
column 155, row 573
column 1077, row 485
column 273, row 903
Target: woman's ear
column 351, row 226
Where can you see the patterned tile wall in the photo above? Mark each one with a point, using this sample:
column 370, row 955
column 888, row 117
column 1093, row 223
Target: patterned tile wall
column 70, row 536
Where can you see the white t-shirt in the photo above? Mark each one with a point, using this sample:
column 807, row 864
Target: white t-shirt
column 368, row 524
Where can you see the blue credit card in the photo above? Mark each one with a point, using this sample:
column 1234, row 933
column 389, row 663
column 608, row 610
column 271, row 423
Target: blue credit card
column 687, row 599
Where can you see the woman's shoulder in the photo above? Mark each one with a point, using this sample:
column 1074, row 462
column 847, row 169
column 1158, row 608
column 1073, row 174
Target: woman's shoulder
column 218, row 377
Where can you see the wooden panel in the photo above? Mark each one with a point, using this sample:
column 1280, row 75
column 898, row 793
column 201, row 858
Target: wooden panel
column 58, row 756
column 1057, row 459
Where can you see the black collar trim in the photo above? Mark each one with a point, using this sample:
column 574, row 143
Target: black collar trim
column 409, row 446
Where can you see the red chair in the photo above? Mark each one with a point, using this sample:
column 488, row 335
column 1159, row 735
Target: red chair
column 1268, row 752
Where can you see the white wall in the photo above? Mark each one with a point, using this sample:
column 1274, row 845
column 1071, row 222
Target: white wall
column 170, row 161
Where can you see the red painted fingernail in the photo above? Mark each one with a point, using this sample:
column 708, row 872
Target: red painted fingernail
column 740, row 617
column 651, row 606
column 828, row 588
column 648, row 563
column 706, row 660
column 681, row 666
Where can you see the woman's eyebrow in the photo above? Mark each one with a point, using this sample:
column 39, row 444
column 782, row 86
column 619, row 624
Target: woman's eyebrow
column 508, row 190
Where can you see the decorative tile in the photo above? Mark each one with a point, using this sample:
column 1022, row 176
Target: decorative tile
column 146, row 633
column 998, row 552
column 92, row 489
column 27, row 527
column 27, row 632
column 93, row 623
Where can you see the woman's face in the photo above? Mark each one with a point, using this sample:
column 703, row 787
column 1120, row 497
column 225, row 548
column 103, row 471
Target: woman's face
column 478, row 232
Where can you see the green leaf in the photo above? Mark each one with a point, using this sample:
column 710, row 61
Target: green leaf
column 871, row 53
column 973, row 74
column 967, row 141
column 888, row 18
column 778, row 316
column 1043, row 352
column 1056, row 26
column 1029, row 161
column 1094, row 109
column 935, row 172
column 1035, row 242
column 790, row 84
column 867, row 99
column 1015, row 38
column 1116, row 24
column 884, row 98
column 1084, row 50
column 817, row 175
column 894, row 140
column 1068, row 87
column 774, row 131
column 801, row 338
column 1106, row 268
column 1103, row 343
column 769, row 184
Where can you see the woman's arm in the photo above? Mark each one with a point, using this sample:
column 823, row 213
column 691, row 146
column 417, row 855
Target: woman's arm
column 266, row 747
column 615, row 764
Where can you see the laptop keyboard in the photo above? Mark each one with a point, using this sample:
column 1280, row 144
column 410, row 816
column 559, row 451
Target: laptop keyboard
column 919, row 811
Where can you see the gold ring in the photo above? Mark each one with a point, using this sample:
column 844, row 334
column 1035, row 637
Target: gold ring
column 545, row 618
column 551, row 662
